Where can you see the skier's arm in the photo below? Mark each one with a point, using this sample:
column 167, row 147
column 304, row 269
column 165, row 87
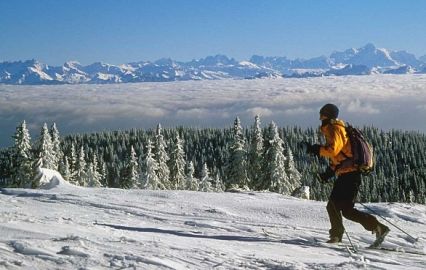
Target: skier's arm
column 334, row 143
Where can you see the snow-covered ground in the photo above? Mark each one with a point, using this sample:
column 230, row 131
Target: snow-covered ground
column 385, row 101
column 68, row 227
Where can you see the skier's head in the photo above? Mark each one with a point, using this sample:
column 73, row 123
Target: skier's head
column 329, row 111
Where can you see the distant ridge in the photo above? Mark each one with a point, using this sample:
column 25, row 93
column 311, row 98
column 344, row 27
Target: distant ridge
column 361, row 61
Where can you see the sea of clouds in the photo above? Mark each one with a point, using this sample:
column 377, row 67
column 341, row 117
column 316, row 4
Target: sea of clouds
column 385, row 101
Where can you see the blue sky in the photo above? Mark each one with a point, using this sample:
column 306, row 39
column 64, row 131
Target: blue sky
column 117, row 32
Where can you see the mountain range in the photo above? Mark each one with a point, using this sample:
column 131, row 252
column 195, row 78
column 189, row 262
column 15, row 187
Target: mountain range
column 362, row 61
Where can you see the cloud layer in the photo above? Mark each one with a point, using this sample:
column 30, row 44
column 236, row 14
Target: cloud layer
column 386, row 101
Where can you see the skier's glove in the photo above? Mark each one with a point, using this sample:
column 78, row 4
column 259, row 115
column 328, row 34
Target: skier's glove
column 325, row 176
column 312, row 149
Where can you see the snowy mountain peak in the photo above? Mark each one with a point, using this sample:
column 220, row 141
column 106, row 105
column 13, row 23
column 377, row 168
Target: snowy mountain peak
column 247, row 64
column 362, row 61
column 368, row 56
column 217, row 60
column 72, row 65
column 368, row 47
column 352, row 51
column 166, row 62
column 100, row 64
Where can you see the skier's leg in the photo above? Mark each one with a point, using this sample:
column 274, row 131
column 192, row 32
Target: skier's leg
column 335, row 217
column 349, row 194
column 368, row 221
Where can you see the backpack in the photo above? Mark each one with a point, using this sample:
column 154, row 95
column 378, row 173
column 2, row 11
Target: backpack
column 362, row 151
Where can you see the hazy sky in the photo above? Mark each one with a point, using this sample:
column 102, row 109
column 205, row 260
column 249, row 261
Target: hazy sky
column 54, row 31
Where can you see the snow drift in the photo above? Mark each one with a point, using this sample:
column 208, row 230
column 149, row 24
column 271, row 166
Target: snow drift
column 50, row 179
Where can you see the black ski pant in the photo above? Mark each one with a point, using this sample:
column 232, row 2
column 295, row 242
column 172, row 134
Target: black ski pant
column 342, row 202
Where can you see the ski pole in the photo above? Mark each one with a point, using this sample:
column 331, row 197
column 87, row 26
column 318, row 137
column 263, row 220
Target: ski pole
column 350, row 241
column 375, row 212
column 344, row 229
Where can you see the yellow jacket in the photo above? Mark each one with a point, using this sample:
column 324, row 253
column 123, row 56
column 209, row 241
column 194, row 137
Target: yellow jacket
column 337, row 147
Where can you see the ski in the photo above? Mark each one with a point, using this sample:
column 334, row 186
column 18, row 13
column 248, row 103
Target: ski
column 350, row 249
column 398, row 250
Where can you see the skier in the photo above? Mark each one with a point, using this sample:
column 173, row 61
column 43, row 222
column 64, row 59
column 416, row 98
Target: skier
column 342, row 199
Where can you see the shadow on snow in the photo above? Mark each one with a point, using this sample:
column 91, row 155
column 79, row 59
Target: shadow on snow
column 193, row 234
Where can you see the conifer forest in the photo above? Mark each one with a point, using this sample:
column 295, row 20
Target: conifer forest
column 212, row 160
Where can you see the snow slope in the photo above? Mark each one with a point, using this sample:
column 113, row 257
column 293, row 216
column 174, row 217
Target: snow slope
column 67, row 227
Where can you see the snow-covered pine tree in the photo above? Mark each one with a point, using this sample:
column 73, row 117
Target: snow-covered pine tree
column 131, row 177
column 44, row 149
column 256, row 154
column 190, row 181
column 142, row 163
column 218, row 184
column 56, row 145
column 104, row 173
column 161, row 156
column 72, row 158
column 93, row 176
column 294, row 176
column 177, row 165
column 80, row 176
column 237, row 163
column 113, row 175
column 97, row 165
column 65, row 170
column 302, row 192
column 205, row 183
column 149, row 178
column 37, row 173
column 22, row 169
column 275, row 159
column 265, row 179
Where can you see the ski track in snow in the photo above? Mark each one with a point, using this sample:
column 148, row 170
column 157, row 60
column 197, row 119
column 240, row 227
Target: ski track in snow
column 68, row 227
